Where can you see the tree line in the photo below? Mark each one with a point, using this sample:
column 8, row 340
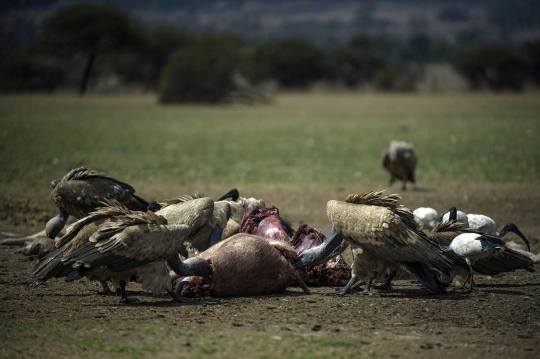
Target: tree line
column 79, row 44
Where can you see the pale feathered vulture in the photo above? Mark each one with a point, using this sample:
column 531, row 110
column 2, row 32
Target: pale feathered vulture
column 400, row 160
column 387, row 234
column 82, row 190
column 238, row 206
column 115, row 242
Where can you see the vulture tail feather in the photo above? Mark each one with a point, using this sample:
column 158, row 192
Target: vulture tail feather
column 426, row 276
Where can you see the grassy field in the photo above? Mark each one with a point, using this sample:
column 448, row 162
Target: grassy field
column 476, row 151
column 302, row 139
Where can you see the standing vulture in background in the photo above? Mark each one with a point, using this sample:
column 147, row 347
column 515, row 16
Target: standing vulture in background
column 131, row 244
column 400, row 160
column 82, row 190
column 383, row 234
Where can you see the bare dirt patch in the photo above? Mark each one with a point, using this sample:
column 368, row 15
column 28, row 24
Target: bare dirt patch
column 501, row 318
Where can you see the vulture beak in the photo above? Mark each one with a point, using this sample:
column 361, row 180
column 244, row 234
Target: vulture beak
column 322, row 253
column 232, row 194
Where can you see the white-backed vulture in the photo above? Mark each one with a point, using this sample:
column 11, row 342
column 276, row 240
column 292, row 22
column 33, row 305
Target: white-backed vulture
column 87, row 240
column 400, row 160
column 388, row 235
column 82, row 190
column 238, row 206
column 207, row 234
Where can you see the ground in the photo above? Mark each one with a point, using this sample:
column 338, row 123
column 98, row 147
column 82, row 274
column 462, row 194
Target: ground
column 500, row 319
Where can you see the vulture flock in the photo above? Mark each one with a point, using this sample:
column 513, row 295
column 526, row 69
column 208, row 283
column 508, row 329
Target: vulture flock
column 193, row 246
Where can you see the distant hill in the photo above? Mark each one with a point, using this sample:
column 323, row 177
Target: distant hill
column 322, row 21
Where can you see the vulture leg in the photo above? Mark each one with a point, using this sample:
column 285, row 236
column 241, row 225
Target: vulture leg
column 367, row 288
column 124, row 298
column 404, row 185
column 511, row 227
column 215, row 236
column 106, row 289
column 387, row 285
column 320, row 254
column 392, row 180
column 348, row 286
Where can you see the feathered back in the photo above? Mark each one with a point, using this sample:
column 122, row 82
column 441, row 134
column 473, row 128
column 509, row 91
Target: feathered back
column 119, row 223
column 374, row 199
column 449, row 226
column 183, row 198
column 81, row 173
column 110, row 208
column 390, row 201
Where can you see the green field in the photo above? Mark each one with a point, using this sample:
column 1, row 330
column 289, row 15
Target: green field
column 301, row 139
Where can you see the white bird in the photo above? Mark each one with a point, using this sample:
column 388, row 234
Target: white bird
column 471, row 247
column 428, row 216
column 456, row 215
column 484, row 224
column 487, row 225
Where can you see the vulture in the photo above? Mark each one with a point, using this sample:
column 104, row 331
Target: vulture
column 209, row 233
column 115, row 242
column 400, row 160
column 238, row 206
column 82, row 190
column 245, row 265
column 505, row 260
column 382, row 234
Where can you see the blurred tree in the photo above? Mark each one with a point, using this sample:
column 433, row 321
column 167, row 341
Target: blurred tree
column 202, row 72
column 20, row 72
column 399, row 77
column 532, row 51
column 498, row 67
column 291, row 62
column 355, row 63
column 90, row 30
column 145, row 65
